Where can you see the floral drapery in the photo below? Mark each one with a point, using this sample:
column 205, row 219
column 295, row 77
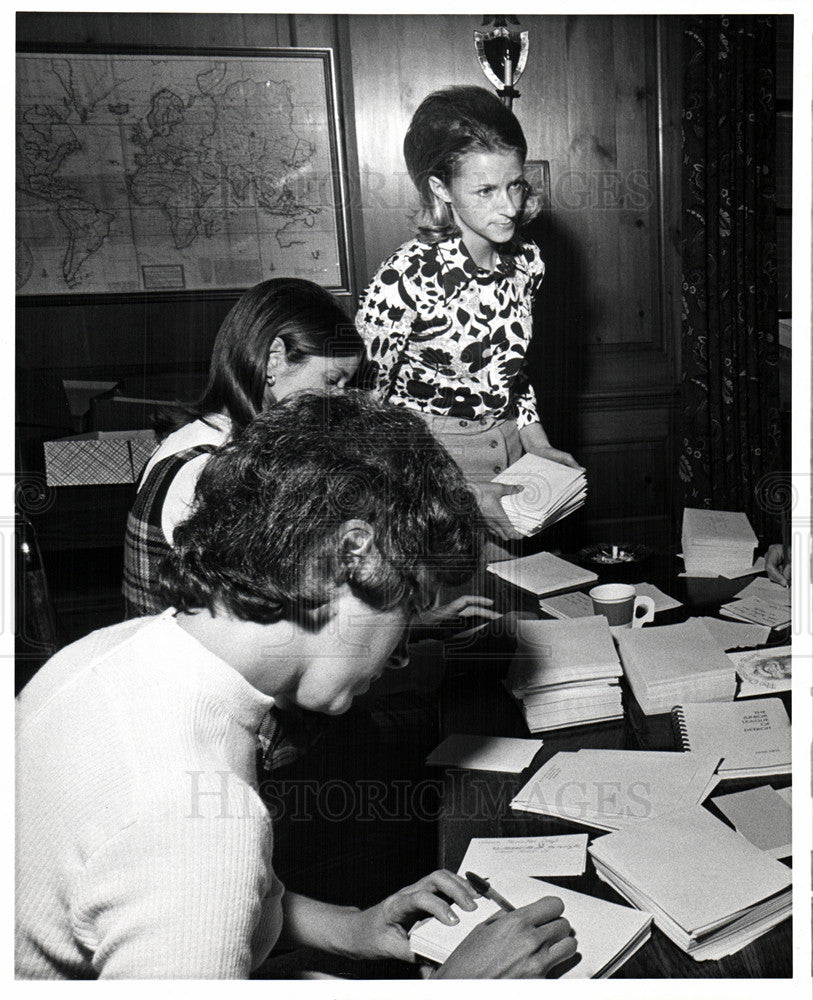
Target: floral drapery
column 730, row 439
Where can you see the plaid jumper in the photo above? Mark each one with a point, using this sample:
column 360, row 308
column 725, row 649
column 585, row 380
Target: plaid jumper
column 145, row 546
column 281, row 739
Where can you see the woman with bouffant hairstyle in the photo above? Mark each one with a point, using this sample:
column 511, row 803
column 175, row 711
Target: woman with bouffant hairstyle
column 447, row 319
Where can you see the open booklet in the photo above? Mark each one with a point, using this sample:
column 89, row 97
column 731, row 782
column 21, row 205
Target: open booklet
column 607, row 933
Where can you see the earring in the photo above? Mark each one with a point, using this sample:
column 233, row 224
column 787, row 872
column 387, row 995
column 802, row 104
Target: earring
column 270, row 379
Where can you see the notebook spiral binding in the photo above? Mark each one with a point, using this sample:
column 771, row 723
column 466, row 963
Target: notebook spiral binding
column 679, row 728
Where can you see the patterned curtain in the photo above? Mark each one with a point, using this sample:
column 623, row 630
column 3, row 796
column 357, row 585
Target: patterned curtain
column 730, row 391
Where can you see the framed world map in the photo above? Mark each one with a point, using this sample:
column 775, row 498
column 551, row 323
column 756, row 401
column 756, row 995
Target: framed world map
column 167, row 171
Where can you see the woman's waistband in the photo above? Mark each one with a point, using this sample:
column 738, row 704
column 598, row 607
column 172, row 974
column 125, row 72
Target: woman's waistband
column 443, row 424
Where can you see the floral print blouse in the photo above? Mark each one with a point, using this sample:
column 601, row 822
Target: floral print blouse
column 448, row 338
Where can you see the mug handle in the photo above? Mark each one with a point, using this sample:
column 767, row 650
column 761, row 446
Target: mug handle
column 648, row 606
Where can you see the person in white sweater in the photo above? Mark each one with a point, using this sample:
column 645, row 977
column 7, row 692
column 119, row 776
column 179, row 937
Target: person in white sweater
column 143, row 848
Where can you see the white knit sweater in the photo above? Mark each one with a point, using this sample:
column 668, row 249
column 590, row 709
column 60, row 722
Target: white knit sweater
column 142, row 848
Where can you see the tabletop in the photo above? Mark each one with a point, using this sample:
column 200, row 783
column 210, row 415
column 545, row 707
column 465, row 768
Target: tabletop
column 476, row 803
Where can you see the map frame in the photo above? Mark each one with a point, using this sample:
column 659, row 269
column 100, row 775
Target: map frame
column 322, row 59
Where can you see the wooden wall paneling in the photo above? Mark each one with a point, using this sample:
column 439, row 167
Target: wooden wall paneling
column 592, row 154
column 542, row 105
column 632, row 191
column 396, row 61
column 193, row 30
column 380, row 123
column 630, row 470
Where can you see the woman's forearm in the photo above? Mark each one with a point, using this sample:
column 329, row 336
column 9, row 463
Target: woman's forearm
column 310, row 923
column 533, row 438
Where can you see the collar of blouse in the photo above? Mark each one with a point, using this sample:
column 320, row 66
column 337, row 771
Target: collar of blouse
column 457, row 268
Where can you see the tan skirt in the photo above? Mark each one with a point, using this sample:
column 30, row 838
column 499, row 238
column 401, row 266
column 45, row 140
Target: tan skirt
column 481, row 448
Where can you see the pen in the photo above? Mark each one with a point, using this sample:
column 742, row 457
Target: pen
column 483, row 887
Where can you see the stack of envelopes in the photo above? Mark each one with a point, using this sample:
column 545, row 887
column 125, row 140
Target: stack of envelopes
column 718, row 542
column 670, row 664
column 709, row 889
column 551, row 491
column 565, row 673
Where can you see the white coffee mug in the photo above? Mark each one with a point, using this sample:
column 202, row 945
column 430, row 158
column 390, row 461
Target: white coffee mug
column 621, row 606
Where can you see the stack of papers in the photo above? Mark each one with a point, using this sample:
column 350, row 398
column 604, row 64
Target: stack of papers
column 709, row 889
column 752, row 736
column 762, row 602
column 717, row 542
column 565, row 673
column 542, row 573
column 607, row 934
column 552, row 491
column 615, row 789
column 669, row 664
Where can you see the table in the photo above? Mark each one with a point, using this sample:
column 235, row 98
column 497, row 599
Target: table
column 475, row 803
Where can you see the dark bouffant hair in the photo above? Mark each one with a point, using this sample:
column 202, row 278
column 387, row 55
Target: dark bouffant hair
column 264, row 538
column 447, row 125
column 304, row 316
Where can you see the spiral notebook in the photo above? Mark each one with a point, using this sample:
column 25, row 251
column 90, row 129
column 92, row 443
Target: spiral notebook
column 753, row 737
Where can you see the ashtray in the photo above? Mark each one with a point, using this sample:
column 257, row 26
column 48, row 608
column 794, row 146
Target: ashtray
column 608, row 554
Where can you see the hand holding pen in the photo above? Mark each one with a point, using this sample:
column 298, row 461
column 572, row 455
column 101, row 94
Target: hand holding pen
column 518, row 943
column 483, row 888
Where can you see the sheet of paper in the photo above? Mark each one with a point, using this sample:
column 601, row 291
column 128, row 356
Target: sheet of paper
column 616, row 788
column 769, row 591
column 763, row 671
column 542, row 573
column 758, row 611
column 485, row 753
column 731, row 634
column 758, row 567
column 762, row 816
column 492, row 857
column 663, row 602
column 574, row 605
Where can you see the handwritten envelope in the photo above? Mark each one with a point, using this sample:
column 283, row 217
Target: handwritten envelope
column 550, row 856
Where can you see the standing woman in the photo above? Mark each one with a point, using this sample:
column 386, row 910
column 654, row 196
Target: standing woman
column 282, row 336
column 447, row 319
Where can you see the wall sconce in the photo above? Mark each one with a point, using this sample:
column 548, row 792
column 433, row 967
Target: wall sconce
column 502, row 53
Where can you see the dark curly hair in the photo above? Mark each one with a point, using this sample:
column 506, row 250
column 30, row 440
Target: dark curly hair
column 264, row 537
column 447, row 125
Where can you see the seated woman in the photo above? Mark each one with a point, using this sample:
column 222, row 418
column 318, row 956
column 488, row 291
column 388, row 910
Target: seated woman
column 281, row 336
column 143, row 848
